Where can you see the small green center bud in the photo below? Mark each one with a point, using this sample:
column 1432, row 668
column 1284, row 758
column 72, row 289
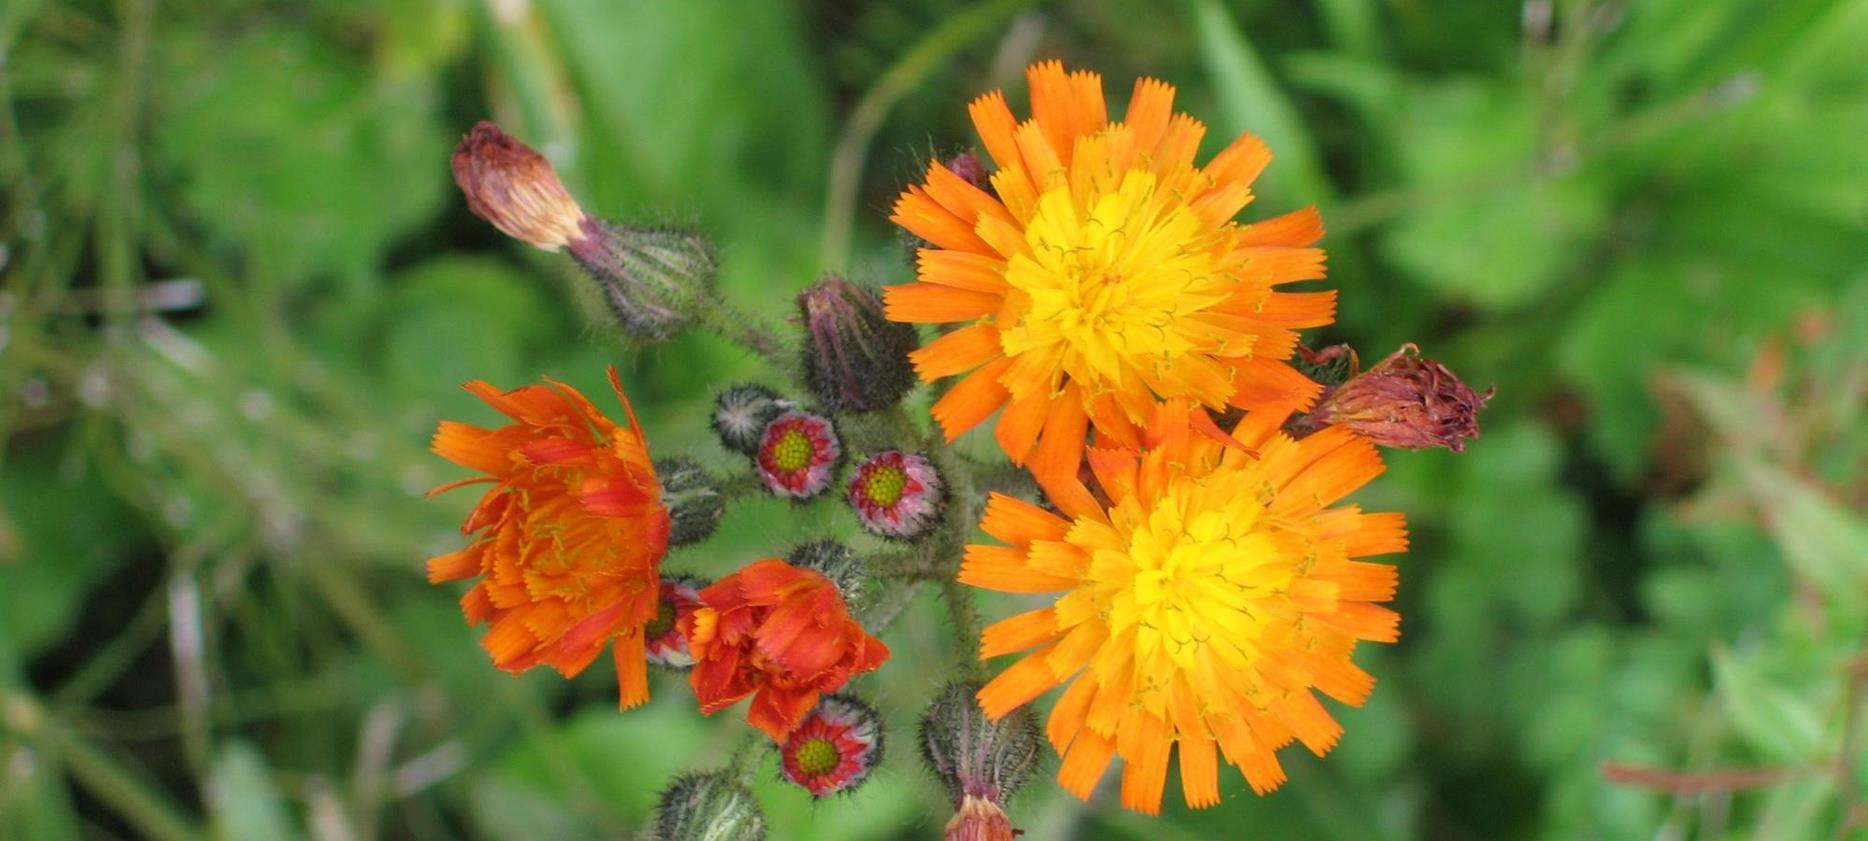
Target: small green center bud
column 655, row 280
column 694, row 503
column 855, row 359
column 884, row 486
column 708, row 807
column 818, row 756
column 793, row 450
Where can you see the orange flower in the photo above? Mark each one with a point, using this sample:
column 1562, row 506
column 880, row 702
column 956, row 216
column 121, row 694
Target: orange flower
column 1103, row 274
column 1199, row 607
column 570, row 536
column 779, row 631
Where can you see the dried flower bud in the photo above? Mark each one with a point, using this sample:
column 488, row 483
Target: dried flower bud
column 968, row 166
column 680, row 597
column 1404, row 401
column 980, row 761
column 655, row 280
column 834, row 748
column 694, row 504
column 798, row 455
column 896, row 494
column 708, row 807
column 741, row 413
column 855, row 359
column 836, row 562
column 512, row 186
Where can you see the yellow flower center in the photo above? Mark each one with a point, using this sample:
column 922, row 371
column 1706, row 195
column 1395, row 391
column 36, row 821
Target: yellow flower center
column 885, row 485
column 1111, row 282
column 793, row 450
column 818, row 756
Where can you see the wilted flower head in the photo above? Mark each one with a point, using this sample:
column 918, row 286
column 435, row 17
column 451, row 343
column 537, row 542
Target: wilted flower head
column 680, row 597
column 741, row 414
column 835, row 747
column 695, row 505
column 708, row 807
column 798, row 455
column 1407, row 401
column 781, row 634
column 515, row 188
column 1104, row 273
column 981, row 762
column 570, row 536
column 855, row 360
column 1200, row 606
column 896, row 494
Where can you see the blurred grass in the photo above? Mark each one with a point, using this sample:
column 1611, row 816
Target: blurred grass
column 237, row 290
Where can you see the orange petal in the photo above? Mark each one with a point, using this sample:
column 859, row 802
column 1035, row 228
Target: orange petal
column 1149, row 109
column 1019, row 426
column 1286, row 265
column 1017, row 685
column 957, row 352
column 1018, row 522
column 995, row 124
column 927, row 303
column 453, row 566
column 1242, row 160
column 971, row 400
column 961, row 270
column 1004, row 568
column 1199, row 772
column 1017, row 633
column 1297, row 228
column 1084, row 764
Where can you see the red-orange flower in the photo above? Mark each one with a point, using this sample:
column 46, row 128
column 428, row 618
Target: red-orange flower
column 570, row 537
column 781, row 634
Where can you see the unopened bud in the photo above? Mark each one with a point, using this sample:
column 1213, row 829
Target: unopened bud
column 1404, row 401
column 834, row 748
column 968, row 166
column 980, row 761
column 708, row 807
column 855, row 359
column 741, row 413
column 694, row 504
column 798, row 455
column 836, row 562
column 512, row 186
column 655, row 280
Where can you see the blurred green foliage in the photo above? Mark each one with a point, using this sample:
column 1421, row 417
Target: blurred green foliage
column 239, row 291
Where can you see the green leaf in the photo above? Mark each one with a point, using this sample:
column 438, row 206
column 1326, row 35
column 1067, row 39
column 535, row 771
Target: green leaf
column 243, row 800
column 1778, row 723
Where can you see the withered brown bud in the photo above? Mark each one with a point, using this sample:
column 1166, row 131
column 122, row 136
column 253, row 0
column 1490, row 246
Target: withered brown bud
column 512, row 186
column 979, row 819
column 1406, row 400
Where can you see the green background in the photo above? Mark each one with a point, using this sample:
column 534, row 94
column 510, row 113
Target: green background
column 239, row 289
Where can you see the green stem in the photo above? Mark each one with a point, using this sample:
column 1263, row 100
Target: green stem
column 748, row 331
column 909, row 71
column 121, row 790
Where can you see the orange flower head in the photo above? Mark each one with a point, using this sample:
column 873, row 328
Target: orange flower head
column 1103, row 273
column 1199, row 607
column 569, row 539
column 779, row 633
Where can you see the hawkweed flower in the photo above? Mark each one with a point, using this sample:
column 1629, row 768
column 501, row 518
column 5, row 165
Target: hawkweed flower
column 855, row 360
column 680, row 597
column 834, row 748
column 741, row 414
column 779, row 633
column 1199, row 608
column 981, row 762
column 1104, row 273
column 1406, row 400
column 798, row 455
column 896, row 494
column 708, row 807
column 568, row 540
column 654, row 279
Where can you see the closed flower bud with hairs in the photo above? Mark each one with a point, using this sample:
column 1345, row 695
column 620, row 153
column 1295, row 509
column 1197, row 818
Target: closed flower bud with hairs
column 655, row 280
column 708, row 807
column 835, row 747
column 1407, row 401
column 695, row 505
column 896, row 494
column 798, row 455
column 855, row 359
column 512, row 186
column 980, row 761
column 836, row 562
column 741, row 413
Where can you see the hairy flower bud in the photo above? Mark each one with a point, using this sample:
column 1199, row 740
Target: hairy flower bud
column 798, row 455
column 655, row 280
column 834, row 748
column 741, row 413
column 836, row 562
column 968, row 166
column 512, row 186
column 855, row 359
column 981, row 762
column 1406, row 400
column 896, row 494
column 695, row 505
column 708, row 807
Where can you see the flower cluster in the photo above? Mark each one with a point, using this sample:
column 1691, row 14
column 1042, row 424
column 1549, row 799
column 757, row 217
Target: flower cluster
column 1200, row 584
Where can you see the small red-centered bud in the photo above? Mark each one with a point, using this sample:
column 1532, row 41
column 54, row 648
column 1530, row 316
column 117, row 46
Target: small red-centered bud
column 896, row 495
column 1406, row 401
column 741, row 413
column 834, row 748
column 512, row 186
column 798, row 455
column 981, row 762
column 680, row 597
column 855, row 359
